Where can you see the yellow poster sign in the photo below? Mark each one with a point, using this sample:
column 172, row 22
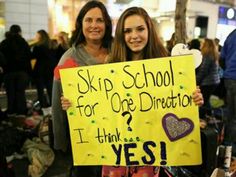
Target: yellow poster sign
column 134, row 113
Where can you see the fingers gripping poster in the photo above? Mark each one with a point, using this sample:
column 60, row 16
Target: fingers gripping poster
column 134, row 113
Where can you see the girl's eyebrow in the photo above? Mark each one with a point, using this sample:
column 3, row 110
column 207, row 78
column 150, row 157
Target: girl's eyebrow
column 133, row 27
column 93, row 17
column 140, row 25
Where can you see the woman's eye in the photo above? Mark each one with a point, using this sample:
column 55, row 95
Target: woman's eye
column 100, row 20
column 88, row 20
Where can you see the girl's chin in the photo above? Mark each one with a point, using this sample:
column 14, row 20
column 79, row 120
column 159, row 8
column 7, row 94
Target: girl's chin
column 136, row 50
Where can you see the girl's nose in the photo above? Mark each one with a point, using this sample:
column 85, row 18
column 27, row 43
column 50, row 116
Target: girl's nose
column 134, row 34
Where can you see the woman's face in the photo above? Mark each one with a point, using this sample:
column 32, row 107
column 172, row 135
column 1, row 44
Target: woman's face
column 135, row 33
column 94, row 25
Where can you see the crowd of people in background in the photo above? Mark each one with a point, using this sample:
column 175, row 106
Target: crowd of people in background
column 22, row 65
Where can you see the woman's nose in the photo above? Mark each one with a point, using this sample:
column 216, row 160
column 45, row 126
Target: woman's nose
column 94, row 23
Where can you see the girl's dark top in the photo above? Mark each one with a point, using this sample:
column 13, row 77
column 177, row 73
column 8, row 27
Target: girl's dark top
column 45, row 61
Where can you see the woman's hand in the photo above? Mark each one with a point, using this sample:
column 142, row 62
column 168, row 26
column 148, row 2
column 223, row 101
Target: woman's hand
column 197, row 97
column 65, row 103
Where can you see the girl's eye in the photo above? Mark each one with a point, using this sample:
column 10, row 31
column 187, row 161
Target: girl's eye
column 141, row 29
column 127, row 31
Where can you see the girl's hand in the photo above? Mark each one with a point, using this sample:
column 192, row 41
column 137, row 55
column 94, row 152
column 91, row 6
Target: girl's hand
column 197, row 97
column 65, row 103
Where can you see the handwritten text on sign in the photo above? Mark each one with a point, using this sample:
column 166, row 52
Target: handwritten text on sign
column 134, row 113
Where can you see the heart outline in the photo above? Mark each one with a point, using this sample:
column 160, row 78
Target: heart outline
column 184, row 133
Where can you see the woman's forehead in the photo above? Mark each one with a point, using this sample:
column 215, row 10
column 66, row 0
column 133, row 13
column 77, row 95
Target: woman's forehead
column 94, row 12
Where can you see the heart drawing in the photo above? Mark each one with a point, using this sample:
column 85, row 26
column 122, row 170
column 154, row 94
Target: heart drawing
column 176, row 128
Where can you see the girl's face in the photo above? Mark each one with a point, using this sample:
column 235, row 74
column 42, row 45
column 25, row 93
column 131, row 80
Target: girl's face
column 93, row 25
column 135, row 33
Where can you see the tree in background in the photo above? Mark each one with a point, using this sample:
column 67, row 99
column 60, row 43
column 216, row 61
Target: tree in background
column 180, row 21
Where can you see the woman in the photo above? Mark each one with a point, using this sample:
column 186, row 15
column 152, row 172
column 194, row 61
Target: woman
column 43, row 69
column 91, row 43
column 208, row 76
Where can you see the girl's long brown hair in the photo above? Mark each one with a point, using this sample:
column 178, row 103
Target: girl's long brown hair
column 44, row 39
column 154, row 47
column 209, row 49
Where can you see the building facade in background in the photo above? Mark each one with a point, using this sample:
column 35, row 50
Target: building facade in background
column 31, row 15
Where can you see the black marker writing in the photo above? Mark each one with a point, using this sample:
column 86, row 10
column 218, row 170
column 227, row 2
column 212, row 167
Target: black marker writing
column 107, row 137
column 80, row 136
column 147, row 78
column 148, row 101
column 119, row 104
column 89, row 83
column 85, row 109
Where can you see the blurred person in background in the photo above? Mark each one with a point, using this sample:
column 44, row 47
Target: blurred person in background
column 2, row 67
column 220, row 91
column 171, row 43
column 17, row 54
column 208, row 77
column 217, row 42
column 228, row 60
column 194, row 44
column 43, row 69
column 63, row 44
